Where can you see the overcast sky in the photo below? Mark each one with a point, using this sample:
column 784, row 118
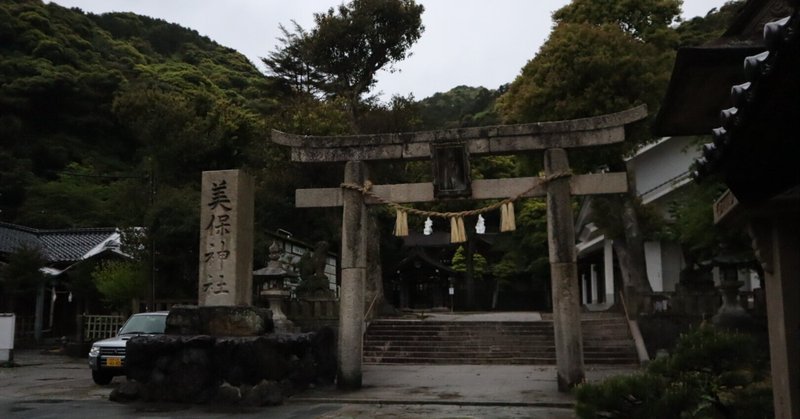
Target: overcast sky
column 466, row 42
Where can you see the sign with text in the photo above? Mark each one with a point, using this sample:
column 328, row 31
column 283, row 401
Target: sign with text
column 226, row 239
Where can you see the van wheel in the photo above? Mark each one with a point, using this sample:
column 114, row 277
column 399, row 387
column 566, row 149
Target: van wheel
column 101, row 377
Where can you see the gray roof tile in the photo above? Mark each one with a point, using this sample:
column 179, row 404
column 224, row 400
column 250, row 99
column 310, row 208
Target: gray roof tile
column 67, row 245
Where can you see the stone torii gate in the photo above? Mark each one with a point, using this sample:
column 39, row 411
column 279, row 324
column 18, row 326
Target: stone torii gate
column 558, row 186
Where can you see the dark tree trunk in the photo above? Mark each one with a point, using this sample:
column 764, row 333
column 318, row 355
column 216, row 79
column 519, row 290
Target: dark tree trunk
column 373, row 293
column 630, row 253
column 470, row 273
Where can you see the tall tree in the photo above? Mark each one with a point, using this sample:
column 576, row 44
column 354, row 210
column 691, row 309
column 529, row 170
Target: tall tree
column 23, row 274
column 340, row 57
column 602, row 57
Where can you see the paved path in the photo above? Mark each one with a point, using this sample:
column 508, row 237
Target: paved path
column 56, row 386
column 473, row 385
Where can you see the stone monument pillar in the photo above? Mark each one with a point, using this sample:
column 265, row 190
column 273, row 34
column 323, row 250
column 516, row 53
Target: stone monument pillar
column 226, row 239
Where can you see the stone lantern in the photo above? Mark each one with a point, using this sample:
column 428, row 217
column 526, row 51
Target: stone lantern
column 272, row 288
column 731, row 314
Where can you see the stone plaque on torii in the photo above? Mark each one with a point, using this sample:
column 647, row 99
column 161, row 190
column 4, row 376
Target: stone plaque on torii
column 558, row 186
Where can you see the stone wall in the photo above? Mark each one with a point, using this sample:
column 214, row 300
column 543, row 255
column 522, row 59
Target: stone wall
column 253, row 370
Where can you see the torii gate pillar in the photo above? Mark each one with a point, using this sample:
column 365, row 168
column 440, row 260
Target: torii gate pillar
column 563, row 273
column 354, row 267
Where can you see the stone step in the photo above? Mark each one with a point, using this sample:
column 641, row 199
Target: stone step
column 455, row 347
column 461, row 344
column 460, row 331
column 467, row 338
column 458, row 352
column 591, row 325
column 473, row 361
column 467, row 344
column 606, row 341
column 512, row 339
column 406, row 330
column 491, row 361
column 374, row 350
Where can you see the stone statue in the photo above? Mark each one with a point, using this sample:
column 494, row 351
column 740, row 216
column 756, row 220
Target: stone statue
column 313, row 281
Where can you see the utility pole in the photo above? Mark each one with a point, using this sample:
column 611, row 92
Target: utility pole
column 151, row 297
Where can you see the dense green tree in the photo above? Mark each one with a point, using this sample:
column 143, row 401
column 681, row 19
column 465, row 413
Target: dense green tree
column 22, row 274
column 460, row 106
column 340, row 57
column 601, row 57
column 692, row 226
column 76, row 198
column 702, row 29
column 604, row 57
column 108, row 120
column 60, row 73
column 645, row 20
column 120, row 282
column 523, row 253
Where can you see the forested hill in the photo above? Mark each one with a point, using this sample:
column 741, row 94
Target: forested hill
column 80, row 93
column 109, row 120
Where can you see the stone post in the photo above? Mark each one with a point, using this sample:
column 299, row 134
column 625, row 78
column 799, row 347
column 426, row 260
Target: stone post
column 226, row 239
column 563, row 273
column 354, row 263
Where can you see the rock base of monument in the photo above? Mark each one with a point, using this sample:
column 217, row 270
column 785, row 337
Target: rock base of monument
column 253, row 371
column 219, row 321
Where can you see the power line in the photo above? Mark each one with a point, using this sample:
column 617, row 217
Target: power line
column 105, row 176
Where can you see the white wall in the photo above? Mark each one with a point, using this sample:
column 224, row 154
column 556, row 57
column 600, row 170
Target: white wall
column 659, row 163
column 652, row 257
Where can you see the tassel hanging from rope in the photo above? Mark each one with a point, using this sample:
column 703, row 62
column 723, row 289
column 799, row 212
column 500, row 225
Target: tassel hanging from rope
column 457, row 232
column 401, row 224
column 507, row 220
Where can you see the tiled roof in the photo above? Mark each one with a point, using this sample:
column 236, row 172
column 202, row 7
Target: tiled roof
column 14, row 236
column 703, row 75
column 68, row 245
column 756, row 147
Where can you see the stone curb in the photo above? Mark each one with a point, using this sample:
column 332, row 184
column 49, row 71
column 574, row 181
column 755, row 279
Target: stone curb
column 323, row 400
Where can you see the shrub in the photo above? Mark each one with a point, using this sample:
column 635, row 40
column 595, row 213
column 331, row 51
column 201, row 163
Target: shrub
column 710, row 374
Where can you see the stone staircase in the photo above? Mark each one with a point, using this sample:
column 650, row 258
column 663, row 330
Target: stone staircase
column 606, row 337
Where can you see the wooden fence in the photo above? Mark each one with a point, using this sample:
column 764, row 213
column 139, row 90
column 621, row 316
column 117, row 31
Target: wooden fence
column 311, row 314
column 100, row 327
column 140, row 306
column 24, row 327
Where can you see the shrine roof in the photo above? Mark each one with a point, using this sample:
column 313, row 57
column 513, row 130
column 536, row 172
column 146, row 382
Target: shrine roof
column 417, row 253
column 58, row 245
